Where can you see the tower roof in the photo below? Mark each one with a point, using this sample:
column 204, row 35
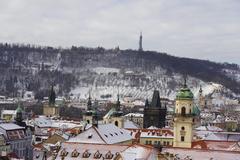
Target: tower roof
column 52, row 96
column 156, row 102
column 184, row 93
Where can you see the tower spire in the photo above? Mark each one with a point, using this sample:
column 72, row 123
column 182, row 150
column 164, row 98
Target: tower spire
column 140, row 42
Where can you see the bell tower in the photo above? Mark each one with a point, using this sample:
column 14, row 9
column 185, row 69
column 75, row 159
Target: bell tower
column 183, row 118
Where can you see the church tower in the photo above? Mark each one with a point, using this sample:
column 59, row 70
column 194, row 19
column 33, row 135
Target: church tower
column 91, row 116
column 115, row 115
column 140, row 43
column 51, row 109
column 184, row 118
column 154, row 113
column 201, row 99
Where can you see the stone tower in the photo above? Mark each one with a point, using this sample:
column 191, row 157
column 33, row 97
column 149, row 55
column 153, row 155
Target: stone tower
column 51, row 109
column 184, row 114
column 154, row 113
column 91, row 116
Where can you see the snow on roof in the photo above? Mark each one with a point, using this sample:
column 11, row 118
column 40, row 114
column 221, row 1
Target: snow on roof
column 129, row 152
column 103, row 134
column 130, row 124
column 137, row 152
column 43, row 121
column 134, row 115
column 112, row 134
column 198, row 154
column 208, row 128
column 223, row 136
column 10, row 126
column 10, row 112
column 152, row 127
column 88, row 136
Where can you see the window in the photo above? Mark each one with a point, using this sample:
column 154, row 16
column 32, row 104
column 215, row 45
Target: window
column 97, row 155
column 183, row 128
column 108, row 155
column 75, row 153
column 88, row 121
column 164, row 143
column 116, row 123
column 86, row 154
column 150, row 142
column 190, row 111
column 167, row 143
column 183, row 111
column 182, row 138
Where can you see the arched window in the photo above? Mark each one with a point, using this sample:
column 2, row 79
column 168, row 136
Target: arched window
column 116, row 123
column 190, row 111
column 183, row 128
column 88, row 121
column 183, row 111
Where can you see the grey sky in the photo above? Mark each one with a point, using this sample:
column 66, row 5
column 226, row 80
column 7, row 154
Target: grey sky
column 204, row 29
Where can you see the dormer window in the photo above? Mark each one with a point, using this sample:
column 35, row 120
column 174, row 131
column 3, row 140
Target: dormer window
column 108, row 155
column 97, row 155
column 64, row 153
column 86, row 154
column 75, row 153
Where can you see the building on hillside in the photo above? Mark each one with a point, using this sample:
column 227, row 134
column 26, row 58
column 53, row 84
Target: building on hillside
column 8, row 115
column 51, row 109
column 154, row 112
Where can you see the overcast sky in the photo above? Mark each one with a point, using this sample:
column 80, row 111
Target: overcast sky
column 204, row 29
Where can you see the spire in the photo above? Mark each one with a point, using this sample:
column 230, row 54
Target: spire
column 156, row 102
column 118, row 104
column 146, row 103
column 185, row 82
column 89, row 103
column 140, row 42
column 200, row 90
column 52, row 96
column 19, row 113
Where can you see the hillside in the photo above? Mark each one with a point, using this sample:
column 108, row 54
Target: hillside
column 77, row 70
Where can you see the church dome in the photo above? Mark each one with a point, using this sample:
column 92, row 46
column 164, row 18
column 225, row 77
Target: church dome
column 184, row 93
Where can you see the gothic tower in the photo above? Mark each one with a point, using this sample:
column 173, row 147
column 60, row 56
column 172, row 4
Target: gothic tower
column 51, row 109
column 140, row 43
column 184, row 114
column 91, row 116
column 154, row 113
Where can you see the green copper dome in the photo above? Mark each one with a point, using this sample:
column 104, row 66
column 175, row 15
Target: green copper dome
column 184, row 93
column 19, row 109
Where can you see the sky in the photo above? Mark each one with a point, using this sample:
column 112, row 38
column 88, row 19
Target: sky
column 203, row 29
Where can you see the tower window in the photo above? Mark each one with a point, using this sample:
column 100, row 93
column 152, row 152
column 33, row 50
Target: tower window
column 183, row 111
column 182, row 138
column 183, row 128
column 116, row 123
